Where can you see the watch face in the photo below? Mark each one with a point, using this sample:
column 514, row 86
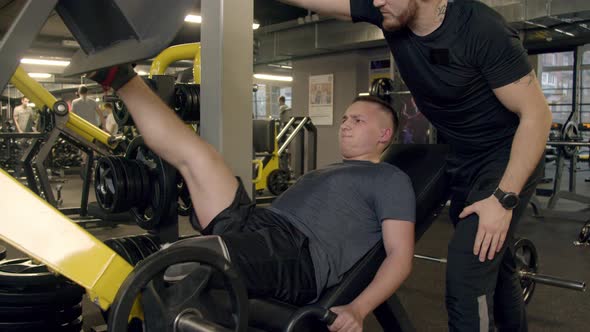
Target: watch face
column 510, row 201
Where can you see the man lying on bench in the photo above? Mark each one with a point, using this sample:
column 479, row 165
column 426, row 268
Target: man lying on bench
column 315, row 231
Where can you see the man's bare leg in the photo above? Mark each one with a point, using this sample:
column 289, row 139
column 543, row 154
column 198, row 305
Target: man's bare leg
column 210, row 181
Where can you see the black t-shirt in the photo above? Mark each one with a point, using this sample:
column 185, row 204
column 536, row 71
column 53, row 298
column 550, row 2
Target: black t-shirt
column 451, row 73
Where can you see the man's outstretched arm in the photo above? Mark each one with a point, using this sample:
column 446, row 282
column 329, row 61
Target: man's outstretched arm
column 398, row 239
column 339, row 9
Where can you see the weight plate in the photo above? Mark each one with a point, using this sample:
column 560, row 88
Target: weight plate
column 152, row 242
column 108, row 185
column 65, row 294
column 24, row 272
column 119, row 249
column 133, row 251
column 162, row 186
column 139, row 245
column 50, row 314
column 277, row 181
column 194, row 113
column 527, row 260
column 185, row 205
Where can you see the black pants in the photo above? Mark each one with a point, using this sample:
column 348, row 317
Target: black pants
column 484, row 295
column 270, row 254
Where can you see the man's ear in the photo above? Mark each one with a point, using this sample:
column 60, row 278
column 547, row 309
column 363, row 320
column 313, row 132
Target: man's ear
column 386, row 135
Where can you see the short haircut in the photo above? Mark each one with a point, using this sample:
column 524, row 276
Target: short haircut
column 83, row 89
column 386, row 107
column 282, row 99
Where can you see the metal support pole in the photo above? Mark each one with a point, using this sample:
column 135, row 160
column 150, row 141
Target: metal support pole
column 312, row 145
column 226, row 87
column 87, row 181
column 41, row 171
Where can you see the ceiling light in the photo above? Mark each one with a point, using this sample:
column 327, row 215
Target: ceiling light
column 60, row 63
column 273, row 77
column 40, row 75
column 198, row 19
column 364, row 94
column 70, row 43
column 193, row 18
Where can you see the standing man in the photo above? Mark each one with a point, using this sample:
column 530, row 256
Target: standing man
column 111, row 125
column 87, row 108
column 469, row 75
column 283, row 111
column 23, row 117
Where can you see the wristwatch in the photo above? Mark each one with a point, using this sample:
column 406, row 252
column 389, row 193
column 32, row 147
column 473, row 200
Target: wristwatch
column 508, row 200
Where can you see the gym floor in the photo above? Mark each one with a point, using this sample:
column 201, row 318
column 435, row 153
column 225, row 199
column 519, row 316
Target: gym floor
column 551, row 309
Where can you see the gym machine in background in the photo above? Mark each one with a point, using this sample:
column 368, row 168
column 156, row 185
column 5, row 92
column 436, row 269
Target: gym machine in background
column 64, row 126
column 272, row 161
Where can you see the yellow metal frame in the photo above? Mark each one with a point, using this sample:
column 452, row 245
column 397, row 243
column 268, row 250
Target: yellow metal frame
column 264, row 170
column 66, row 248
column 41, row 97
column 176, row 53
column 84, row 259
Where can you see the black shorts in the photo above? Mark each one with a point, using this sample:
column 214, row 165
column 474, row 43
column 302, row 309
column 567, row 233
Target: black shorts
column 270, row 254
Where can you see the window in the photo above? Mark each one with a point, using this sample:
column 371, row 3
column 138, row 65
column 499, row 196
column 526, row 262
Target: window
column 549, row 80
column 548, row 59
column 266, row 100
column 585, row 89
column 557, row 80
column 259, row 101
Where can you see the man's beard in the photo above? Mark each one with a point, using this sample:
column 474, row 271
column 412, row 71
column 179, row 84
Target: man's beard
column 394, row 23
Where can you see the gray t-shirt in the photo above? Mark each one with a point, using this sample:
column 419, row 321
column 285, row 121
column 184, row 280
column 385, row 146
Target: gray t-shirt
column 86, row 109
column 24, row 116
column 340, row 209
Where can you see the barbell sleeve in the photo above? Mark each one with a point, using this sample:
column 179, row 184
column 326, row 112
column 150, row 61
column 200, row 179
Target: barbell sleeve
column 554, row 281
column 431, row 259
column 193, row 322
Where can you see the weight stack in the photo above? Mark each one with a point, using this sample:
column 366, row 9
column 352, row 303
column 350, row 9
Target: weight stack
column 34, row 299
column 134, row 249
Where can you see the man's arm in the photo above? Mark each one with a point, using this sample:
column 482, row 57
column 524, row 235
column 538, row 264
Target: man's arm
column 15, row 119
column 339, row 9
column 398, row 239
column 525, row 98
column 101, row 117
column 110, row 125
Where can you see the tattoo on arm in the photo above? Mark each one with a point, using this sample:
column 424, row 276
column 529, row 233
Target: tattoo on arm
column 527, row 80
